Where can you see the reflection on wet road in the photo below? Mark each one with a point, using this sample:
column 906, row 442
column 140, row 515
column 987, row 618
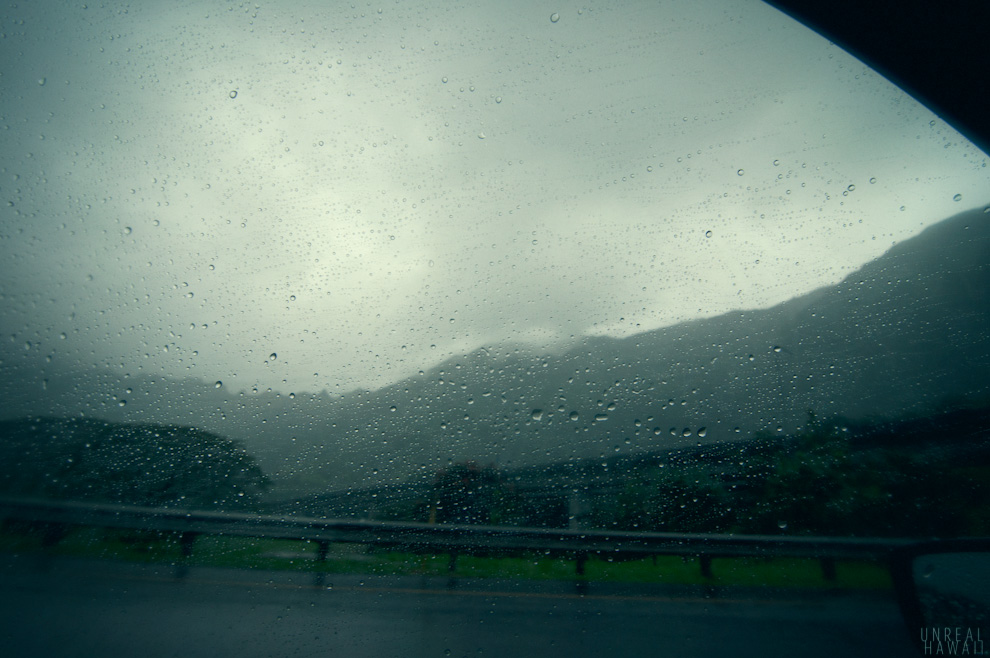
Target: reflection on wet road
column 67, row 607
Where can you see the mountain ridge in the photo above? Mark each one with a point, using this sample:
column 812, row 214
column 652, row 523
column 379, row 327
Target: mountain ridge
column 899, row 335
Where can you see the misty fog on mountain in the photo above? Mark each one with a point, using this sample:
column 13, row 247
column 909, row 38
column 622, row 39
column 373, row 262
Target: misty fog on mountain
column 353, row 246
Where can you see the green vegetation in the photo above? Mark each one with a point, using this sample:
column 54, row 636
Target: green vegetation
column 468, row 493
column 913, row 477
column 277, row 554
column 689, row 499
column 139, row 464
column 823, row 484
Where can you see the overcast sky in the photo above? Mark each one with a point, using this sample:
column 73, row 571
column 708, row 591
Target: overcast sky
column 304, row 198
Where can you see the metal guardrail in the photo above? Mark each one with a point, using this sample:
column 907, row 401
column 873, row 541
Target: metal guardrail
column 57, row 516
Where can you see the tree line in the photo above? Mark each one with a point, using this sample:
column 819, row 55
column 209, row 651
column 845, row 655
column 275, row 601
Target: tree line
column 827, row 479
column 917, row 477
column 136, row 464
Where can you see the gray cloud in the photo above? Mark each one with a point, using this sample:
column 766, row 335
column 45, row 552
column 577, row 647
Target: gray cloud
column 191, row 189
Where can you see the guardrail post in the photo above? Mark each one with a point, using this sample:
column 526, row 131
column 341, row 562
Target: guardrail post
column 828, row 569
column 323, row 547
column 186, row 543
column 581, row 559
column 706, row 565
column 452, row 565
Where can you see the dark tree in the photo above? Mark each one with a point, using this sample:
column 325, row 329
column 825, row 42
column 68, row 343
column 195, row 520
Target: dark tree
column 824, row 485
column 466, row 493
column 145, row 464
column 669, row 500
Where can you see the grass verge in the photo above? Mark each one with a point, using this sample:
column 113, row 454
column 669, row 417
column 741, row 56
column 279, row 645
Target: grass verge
column 276, row 554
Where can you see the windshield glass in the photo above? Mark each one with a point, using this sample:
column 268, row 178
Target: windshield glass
column 567, row 266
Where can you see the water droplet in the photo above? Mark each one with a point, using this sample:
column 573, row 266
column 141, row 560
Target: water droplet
column 554, row 17
column 702, row 432
column 537, row 414
column 481, row 135
column 686, row 432
column 649, row 169
column 42, row 81
column 782, row 525
column 233, row 93
column 957, row 197
column 574, row 415
column 873, row 181
column 219, row 384
column 122, row 403
column 708, row 234
column 851, row 188
column 392, row 408
column 128, row 230
column 292, row 298
column 498, row 99
column 776, row 163
column 740, row 172
column 272, row 356
column 599, row 418
column 443, row 79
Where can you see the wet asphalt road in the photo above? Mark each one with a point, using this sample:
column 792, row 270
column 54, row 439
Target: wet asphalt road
column 69, row 607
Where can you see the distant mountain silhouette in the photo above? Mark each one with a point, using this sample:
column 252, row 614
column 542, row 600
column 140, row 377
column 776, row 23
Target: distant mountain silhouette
column 904, row 334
